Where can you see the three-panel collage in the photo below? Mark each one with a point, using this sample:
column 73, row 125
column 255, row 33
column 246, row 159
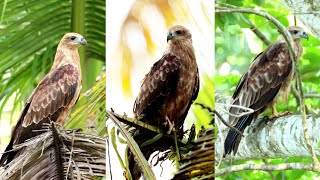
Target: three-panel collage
column 159, row 89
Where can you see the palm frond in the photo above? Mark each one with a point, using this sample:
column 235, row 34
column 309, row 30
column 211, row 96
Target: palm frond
column 143, row 163
column 198, row 163
column 82, row 157
column 92, row 109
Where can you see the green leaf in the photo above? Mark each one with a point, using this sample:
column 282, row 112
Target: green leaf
column 259, row 2
column 148, row 174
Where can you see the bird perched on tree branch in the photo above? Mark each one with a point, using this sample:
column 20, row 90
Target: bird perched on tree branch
column 268, row 77
column 167, row 91
column 53, row 98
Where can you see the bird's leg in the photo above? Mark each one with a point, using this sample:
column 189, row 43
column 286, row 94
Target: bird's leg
column 173, row 129
column 170, row 124
column 274, row 112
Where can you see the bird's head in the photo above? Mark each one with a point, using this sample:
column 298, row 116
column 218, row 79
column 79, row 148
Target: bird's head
column 72, row 40
column 297, row 32
column 178, row 33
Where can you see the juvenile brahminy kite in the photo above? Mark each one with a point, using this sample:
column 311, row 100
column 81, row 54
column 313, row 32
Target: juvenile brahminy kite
column 268, row 77
column 168, row 90
column 54, row 96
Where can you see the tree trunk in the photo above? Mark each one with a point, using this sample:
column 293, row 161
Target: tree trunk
column 277, row 138
column 309, row 13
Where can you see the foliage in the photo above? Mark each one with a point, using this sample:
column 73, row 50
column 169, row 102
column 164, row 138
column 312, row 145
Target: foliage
column 91, row 115
column 30, row 32
column 198, row 163
column 206, row 96
column 134, row 148
column 235, row 58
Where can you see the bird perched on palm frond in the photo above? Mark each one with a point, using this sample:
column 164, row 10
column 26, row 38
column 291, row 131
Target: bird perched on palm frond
column 54, row 96
column 167, row 91
column 268, row 77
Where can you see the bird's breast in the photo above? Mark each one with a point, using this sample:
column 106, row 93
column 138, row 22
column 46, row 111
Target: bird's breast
column 285, row 87
column 177, row 103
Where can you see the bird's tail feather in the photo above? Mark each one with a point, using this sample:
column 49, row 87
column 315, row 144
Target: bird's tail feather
column 134, row 168
column 7, row 156
column 233, row 138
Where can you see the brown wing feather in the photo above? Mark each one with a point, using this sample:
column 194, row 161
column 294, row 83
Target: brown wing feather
column 194, row 97
column 54, row 92
column 196, row 88
column 263, row 80
column 47, row 102
column 161, row 80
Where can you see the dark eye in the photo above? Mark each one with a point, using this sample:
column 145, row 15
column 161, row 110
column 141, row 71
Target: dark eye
column 73, row 38
column 295, row 31
column 178, row 32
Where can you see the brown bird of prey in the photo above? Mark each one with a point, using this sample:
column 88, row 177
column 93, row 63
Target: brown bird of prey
column 269, row 76
column 54, row 96
column 168, row 90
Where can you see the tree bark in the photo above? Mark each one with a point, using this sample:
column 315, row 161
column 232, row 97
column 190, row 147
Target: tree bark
column 277, row 138
column 309, row 13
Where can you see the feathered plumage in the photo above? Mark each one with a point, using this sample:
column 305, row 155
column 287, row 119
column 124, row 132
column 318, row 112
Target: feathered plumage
column 54, row 96
column 168, row 90
column 268, row 77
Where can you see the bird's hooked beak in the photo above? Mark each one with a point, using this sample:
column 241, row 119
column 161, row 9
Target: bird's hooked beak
column 82, row 41
column 305, row 35
column 170, row 36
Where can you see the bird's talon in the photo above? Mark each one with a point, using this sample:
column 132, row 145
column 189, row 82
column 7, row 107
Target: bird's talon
column 286, row 113
column 272, row 116
column 171, row 126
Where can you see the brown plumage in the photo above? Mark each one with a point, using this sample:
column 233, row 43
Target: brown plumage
column 168, row 90
column 54, row 96
column 268, row 77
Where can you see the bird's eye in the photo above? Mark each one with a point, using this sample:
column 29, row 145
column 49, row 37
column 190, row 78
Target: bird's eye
column 178, row 32
column 73, row 38
column 295, row 31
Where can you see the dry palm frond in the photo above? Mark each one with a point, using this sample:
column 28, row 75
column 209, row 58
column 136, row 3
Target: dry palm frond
column 67, row 154
column 198, row 155
column 198, row 163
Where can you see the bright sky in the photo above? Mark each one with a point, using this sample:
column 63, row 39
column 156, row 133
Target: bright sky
column 201, row 26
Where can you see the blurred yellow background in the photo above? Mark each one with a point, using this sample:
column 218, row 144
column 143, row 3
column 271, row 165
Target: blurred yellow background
column 136, row 38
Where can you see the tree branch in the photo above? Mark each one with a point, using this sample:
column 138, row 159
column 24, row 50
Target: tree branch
column 307, row 12
column 145, row 126
column 260, row 35
column 265, row 167
column 312, row 96
column 213, row 111
column 268, row 140
column 134, row 122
